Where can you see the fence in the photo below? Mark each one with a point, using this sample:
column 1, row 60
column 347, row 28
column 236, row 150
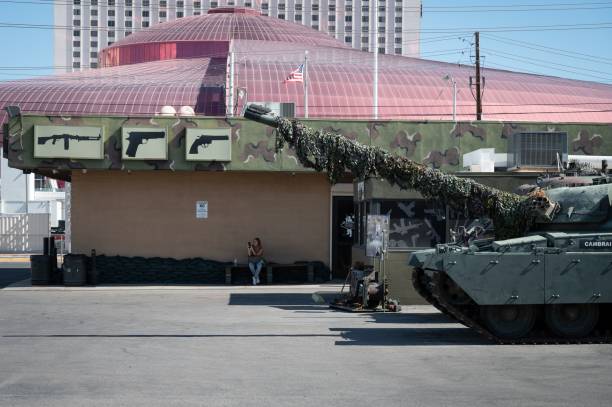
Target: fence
column 23, row 233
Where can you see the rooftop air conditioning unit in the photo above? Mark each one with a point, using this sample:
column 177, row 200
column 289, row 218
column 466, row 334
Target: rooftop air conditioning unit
column 536, row 150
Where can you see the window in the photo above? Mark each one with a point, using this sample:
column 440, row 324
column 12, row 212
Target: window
column 348, row 39
column 110, row 43
column 381, row 40
column 197, row 4
column 76, row 33
column 94, row 23
column 94, row 2
column 77, row 2
column 348, row 29
column 76, row 54
column 398, row 19
column 364, row 40
column 93, row 65
column 381, row 29
column 76, row 12
column 94, row 13
column 332, row 7
column 315, row 18
column 281, row 16
column 145, row 13
column 145, row 24
column 111, row 2
column 398, row 40
column 162, row 14
column 315, row 7
column 163, row 3
column 111, row 34
column 264, row 6
column 93, row 44
column 196, row 13
column 398, row 51
column 398, row 29
column 381, row 9
column 365, row 19
column 128, row 3
column 365, row 9
column 315, row 26
column 93, row 55
column 332, row 29
column 127, row 33
column 128, row 13
column 76, row 44
column 349, row 9
column 111, row 13
column 364, row 49
column 281, row 6
column 398, row 9
column 381, row 50
column 76, row 23
column 364, row 29
column 381, row 19
column 298, row 17
column 331, row 18
column 298, row 7
column 145, row 3
column 247, row 4
column 180, row 4
column 348, row 19
column 179, row 14
column 111, row 23
column 213, row 4
column 93, row 33
column 128, row 24
column 76, row 64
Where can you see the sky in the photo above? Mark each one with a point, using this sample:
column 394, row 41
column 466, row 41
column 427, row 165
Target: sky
column 584, row 54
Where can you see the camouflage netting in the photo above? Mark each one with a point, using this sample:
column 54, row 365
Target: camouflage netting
column 322, row 151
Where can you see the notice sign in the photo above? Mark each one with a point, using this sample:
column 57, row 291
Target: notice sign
column 377, row 235
column 208, row 145
column 201, row 209
column 68, row 142
column 143, row 143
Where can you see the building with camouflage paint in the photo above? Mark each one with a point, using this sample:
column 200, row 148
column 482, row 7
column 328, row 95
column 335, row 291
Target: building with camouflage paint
column 147, row 200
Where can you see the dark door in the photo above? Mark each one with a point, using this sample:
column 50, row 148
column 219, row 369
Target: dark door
column 342, row 235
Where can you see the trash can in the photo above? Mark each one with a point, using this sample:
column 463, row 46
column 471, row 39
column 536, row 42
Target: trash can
column 75, row 270
column 41, row 269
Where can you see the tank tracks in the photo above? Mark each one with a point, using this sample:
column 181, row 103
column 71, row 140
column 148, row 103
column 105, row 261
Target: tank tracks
column 469, row 315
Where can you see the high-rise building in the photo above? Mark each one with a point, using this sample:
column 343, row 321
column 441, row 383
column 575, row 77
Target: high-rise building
column 94, row 24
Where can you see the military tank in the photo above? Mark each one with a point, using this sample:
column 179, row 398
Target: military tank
column 545, row 278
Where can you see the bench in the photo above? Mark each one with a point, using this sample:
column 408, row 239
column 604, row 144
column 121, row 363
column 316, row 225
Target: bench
column 269, row 270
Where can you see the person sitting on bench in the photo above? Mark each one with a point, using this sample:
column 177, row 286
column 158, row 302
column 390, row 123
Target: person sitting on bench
column 256, row 261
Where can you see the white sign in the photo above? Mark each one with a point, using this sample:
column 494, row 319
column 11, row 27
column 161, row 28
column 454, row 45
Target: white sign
column 201, row 209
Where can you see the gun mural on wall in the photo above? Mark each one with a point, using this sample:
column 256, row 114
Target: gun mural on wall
column 67, row 137
column 137, row 138
column 204, row 140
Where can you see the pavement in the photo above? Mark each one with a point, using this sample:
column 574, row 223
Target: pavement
column 268, row 346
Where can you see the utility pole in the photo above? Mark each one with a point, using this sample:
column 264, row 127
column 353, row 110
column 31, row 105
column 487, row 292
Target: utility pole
column 305, row 82
column 478, row 93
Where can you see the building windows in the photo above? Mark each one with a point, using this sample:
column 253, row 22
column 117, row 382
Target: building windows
column 364, row 29
column 398, row 9
column 128, row 3
column 381, row 40
column 128, row 24
column 111, row 23
column 111, row 34
column 94, row 12
column 298, row 7
column 213, row 4
column 298, row 17
column 111, row 2
column 76, row 64
column 93, row 55
column 127, row 33
column 162, row 14
column 145, row 24
column 381, row 19
column 93, row 44
column 76, row 33
column 348, row 9
column 196, row 13
column 365, row 9
column 332, row 29
column 381, row 50
column 94, row 23
column 281, row 6
column 77, row 2
column 180, row 4
column 364, row 40
column 281, row 16
column 348, row 19
column 179, row 14
column 145, row 3
column 110, row 43
column 76, row 23
column 398, row 19
column 398, row 29
column 315, row 27
column 111, row 13
column 145, row 13
column 365, row 49
column 398, row 40
column 197, row 4
column 315, row 7
column 348, row 39
column 128, row 13
column 93, row 2
column 76, row 44
column 381, row 30
column 381, row 9
column 76, row 12
column 76, row 54
column 365, row 19
column 331, row 18
column 264, row 6
column 247, row 4
column 348, row 29
column 93, row 65
column 315, row 18
column 93, row 33
column 163, row 3
column 332, row 8
column 398, row 51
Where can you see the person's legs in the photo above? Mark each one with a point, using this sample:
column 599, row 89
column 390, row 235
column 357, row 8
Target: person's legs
column 258, row 267
column 252, row 267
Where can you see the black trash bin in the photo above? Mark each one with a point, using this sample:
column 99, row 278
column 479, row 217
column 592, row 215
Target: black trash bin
column 41, row 266
column 75, row 270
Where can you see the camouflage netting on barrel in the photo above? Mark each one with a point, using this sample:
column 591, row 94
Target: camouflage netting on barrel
column 323, row 151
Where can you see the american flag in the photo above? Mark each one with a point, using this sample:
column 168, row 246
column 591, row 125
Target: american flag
column 296, row 75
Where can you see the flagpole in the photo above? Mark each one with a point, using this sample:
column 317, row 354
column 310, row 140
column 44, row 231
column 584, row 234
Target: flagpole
column 375, row 73
column 306, row 84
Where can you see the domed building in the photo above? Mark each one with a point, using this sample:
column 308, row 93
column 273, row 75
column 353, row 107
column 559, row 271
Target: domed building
column 163, row 167
column 186, row 63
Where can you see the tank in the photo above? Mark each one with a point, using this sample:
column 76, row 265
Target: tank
column 546, row 277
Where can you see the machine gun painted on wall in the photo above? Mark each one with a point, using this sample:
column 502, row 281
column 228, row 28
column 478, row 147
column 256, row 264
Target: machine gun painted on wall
column 205, row 141
column 136, row 138
column 67, row 137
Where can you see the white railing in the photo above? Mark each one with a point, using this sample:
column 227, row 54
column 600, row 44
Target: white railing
column 23, row 233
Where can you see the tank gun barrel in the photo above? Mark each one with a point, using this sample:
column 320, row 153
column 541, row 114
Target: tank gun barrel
column 512, row 214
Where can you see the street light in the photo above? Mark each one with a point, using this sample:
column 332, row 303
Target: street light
column 451, row 79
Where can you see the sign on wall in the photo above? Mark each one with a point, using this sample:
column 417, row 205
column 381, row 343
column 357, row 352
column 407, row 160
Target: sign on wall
column 201, row 209
column 144, row 143
column 208, row 145
column 69, row 142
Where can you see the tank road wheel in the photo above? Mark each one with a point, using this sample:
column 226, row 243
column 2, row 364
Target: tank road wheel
column 509, row 321
column 572, row 320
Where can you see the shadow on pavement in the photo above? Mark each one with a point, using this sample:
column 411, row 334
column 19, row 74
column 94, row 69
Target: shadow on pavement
column 14, row 274
column 174, row 336
column 278, row 299
column 408, row 337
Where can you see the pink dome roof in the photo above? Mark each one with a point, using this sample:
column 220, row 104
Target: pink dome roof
column 185, row 62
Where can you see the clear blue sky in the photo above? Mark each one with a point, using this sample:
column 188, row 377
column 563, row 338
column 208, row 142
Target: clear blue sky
column 29, row 47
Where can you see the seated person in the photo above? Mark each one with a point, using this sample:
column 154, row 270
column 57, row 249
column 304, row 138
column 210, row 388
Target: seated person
column 256, row 261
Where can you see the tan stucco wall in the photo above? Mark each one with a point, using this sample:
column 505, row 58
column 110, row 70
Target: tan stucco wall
column 153, row 214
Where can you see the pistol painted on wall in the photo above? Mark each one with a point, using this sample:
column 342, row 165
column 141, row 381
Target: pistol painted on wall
column 136, row 138
column 67, row 138
column 205, row 141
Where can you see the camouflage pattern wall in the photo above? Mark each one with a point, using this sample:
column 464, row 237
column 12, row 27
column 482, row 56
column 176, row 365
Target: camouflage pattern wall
column 439, row 144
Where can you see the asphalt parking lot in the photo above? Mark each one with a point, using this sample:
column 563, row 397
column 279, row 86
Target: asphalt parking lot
column 268, row 346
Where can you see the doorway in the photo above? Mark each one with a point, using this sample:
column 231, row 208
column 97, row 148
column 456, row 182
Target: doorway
column 343, row 224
